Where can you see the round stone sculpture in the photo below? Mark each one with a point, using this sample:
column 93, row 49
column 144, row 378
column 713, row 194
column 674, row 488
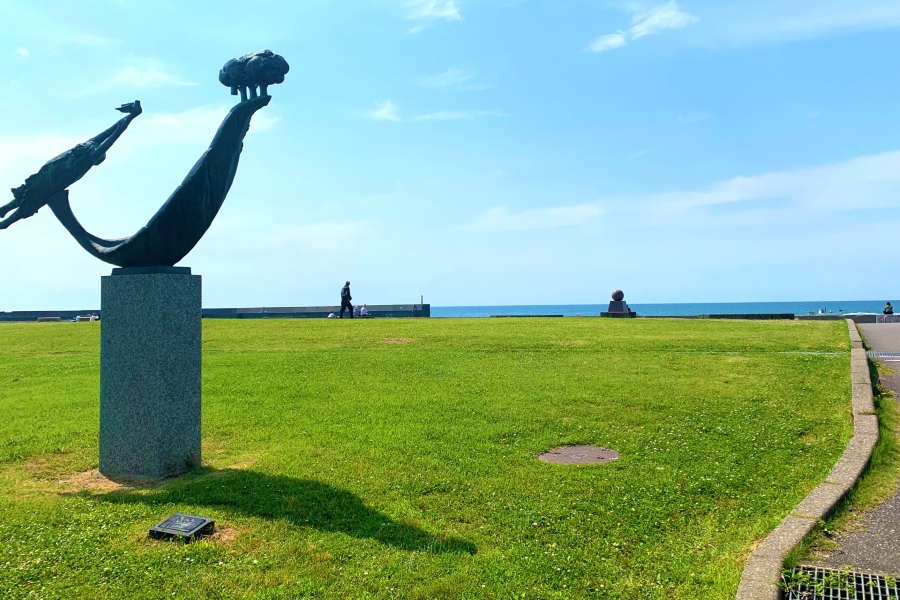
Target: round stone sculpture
column 618, row 295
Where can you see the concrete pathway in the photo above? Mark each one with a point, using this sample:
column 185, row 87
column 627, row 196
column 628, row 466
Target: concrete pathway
column 876, row 546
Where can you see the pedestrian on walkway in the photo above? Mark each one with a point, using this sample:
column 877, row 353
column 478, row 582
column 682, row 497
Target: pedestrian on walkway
column 345, row 300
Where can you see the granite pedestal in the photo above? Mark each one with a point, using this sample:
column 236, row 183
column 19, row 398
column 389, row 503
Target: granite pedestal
column 619, row 309
column 150, row 372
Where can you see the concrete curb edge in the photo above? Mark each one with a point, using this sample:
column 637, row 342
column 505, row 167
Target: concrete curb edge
column 762, row 573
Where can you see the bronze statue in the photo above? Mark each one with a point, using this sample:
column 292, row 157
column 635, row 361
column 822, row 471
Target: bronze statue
column 180, row 223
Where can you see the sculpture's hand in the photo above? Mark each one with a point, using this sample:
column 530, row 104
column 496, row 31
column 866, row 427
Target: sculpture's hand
column 132, row 108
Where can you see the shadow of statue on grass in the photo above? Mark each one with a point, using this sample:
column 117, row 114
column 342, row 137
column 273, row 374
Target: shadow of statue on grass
column 303, row 502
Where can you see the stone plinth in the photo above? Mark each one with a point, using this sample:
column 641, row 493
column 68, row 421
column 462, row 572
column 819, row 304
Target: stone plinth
column 618, row 308
column 150, row 372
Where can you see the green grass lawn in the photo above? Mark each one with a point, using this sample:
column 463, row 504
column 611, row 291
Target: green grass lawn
column 396, row 459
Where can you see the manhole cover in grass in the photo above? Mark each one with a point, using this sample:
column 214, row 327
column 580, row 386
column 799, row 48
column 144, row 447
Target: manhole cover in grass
column 579, row 455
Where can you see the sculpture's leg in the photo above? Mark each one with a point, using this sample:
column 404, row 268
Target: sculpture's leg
column 8, row 207
column 243, row 93
column 263, row 90
column 16, row 216
column 252, row 92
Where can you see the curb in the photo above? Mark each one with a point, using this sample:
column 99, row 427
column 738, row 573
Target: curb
column 762, row 573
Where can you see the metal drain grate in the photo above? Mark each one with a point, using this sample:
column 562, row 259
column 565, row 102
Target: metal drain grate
column 882, row 354
column 813, row 583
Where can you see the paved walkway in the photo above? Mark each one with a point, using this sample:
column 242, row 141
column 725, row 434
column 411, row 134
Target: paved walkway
column 876, row 546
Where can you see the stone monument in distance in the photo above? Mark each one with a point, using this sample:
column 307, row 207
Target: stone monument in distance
column 150, row 340
column 618, row 308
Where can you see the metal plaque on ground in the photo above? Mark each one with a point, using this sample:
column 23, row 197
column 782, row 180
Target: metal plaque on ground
column 183, row 527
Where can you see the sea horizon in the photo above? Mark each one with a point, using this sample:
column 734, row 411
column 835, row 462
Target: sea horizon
column 673, row 309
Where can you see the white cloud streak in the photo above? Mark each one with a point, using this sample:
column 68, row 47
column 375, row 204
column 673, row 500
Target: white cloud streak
column 23, row 52
column 643, row 23
column 428, row 12
column 148, row 74
column 448, row 78
column 386, row 111
column 797, row 198
column 659, row 19
column 773, row 21
column 608, row 42
column 862, row 183
column 500, row 219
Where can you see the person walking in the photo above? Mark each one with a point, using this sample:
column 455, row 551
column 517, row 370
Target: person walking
column 345, row 300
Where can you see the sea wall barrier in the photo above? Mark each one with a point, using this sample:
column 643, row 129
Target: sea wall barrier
column 316, row 312
column 274, row 312
column 34, row 315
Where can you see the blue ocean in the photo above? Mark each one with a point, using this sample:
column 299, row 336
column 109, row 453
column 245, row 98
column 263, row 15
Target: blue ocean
column 668, row 310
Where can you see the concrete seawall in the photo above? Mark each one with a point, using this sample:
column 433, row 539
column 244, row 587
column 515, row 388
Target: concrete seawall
column 274, row 312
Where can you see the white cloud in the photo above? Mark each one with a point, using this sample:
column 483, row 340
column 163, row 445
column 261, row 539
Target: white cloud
column 660, row 18
column 465, row 115
column 765, row 21
column 866, row 182
column 645, row 22
column 147, row 74
column 608, row 42
column 94, row 41
column 500, row 219
column 427, row 12
column 263, row 122
column 386, row 111
column 22, row 52
column 798, row 198
column 450, row 77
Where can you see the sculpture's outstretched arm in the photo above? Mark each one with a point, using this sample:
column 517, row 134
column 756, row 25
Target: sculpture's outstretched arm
column 100, row 137
column 109, row 137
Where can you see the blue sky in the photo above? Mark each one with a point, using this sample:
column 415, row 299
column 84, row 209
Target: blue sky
column 474, row 151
